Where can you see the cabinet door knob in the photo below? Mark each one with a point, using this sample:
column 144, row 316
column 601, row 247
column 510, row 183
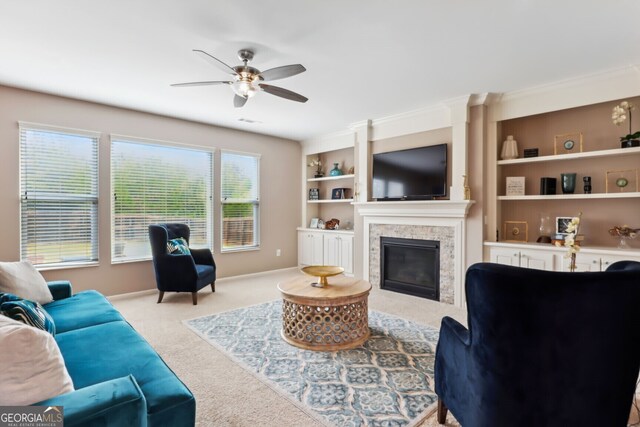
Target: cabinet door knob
column 515, row 254
column 606, row 263
column 594, row 261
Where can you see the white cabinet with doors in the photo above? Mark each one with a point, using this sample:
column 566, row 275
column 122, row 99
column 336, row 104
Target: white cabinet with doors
column 552, row 258
column 326, row 247
column 310, row 247
column 338, row 250
column 518, row 257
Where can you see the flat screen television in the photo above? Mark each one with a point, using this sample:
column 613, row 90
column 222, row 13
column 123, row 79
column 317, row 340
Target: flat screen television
column 413, row 174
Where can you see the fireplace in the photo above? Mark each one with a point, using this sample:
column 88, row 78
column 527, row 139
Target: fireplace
column 410, row 266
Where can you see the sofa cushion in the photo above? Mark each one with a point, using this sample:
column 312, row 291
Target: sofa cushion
column 112, row 350
column 87, row 308
column 22, row 279
column 28, row 312
column 32, row 366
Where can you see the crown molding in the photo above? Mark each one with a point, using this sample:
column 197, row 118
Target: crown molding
column 584, row 90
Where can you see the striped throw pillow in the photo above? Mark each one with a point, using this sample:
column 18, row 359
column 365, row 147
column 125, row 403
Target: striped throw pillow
column 25, row 311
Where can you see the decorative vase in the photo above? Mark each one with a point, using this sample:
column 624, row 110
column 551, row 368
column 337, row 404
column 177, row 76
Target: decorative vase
column 546, row 228
column 568, row 183
column 628, row 143
column 336, row 170
column 509, row 149
column 319, row 174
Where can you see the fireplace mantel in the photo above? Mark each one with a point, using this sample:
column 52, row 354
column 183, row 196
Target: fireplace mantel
column 434, row 217
column 416, row 208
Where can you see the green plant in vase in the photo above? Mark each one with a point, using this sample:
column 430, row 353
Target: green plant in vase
column 619, row 115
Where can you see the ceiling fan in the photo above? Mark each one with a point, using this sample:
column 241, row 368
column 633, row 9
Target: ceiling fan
column 247, row 80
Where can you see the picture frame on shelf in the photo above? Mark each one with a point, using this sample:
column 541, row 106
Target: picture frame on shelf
column 337, row 194
column 314, row 194
column 622, row 181
column 562, row 222
column 516, row 231
column 313, row 223
column 515, row 185
column 568, row 143
column 320, row 224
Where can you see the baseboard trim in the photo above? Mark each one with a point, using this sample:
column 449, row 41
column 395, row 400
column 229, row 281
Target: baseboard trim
column 222, row 279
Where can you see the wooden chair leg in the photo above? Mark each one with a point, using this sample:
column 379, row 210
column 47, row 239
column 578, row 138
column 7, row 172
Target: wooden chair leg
column 160, row 296
column 213, row 287
column 194, row 296
column 442, row 412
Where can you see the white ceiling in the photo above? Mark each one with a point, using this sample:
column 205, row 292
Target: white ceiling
column 365, row 59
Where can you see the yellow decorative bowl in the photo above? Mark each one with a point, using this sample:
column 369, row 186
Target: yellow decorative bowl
column 322, row 272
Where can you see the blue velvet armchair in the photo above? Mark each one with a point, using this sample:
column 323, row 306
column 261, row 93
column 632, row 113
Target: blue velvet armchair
column 542, row 349
column 178, row 272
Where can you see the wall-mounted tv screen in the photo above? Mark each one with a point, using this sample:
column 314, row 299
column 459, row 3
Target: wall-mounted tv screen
column 413, row 174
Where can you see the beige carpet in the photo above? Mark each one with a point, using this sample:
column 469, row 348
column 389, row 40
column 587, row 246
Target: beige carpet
column 226, row 394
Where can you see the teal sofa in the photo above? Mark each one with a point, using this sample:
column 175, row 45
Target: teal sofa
column 118, row 377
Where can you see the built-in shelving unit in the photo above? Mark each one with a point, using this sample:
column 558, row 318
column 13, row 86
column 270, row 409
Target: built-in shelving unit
column 574, row 156
column 602, row 208
column 331, row 201
column 331, row 178
column 629, row 195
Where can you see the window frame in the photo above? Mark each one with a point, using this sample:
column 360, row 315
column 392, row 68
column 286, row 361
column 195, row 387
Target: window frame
column 94, row 237
column 157, row 142
column 256, row 204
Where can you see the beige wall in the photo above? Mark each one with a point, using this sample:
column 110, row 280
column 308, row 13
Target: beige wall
column 279, row 204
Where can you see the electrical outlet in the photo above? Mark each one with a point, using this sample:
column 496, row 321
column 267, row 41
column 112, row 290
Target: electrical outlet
column 278, row 252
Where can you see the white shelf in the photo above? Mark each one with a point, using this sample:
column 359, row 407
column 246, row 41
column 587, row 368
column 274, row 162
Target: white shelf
column 585, row 155
column 630, row 195
column 331, row 201
column 331, row 178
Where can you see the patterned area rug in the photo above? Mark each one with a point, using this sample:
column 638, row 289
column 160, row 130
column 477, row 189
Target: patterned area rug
column 386, row 382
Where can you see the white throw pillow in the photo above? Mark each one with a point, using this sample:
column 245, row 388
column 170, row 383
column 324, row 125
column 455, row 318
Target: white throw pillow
column 22, row 279
column 32, row 366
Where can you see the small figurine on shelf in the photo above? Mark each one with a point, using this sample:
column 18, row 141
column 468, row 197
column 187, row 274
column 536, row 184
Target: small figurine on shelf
column 467, row 189
column 317, row 163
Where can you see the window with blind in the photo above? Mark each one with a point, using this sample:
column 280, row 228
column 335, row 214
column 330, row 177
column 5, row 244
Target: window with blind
column 59, row 195
column 156, row 183
column 240, row 201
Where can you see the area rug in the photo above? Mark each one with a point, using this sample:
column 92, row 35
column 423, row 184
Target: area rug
column 386, row 382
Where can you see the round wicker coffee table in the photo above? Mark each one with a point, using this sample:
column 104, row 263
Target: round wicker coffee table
column 334, row 317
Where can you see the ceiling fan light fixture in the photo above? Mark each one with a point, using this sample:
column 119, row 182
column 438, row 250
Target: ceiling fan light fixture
column 246, row 84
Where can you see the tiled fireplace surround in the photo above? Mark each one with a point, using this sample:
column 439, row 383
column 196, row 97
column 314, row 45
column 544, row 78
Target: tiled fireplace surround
column 441, row 220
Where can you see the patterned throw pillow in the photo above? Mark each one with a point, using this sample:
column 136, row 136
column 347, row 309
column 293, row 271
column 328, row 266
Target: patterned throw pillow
column 178, row 246
column 25, row 311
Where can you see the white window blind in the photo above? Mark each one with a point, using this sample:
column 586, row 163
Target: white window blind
column 59, row 195
column 240, row 201
column 158, row 183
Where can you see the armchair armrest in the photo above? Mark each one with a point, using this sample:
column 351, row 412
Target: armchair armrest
column 203, row 256
column 60, row 289
column 118, row 402
column 454, row 327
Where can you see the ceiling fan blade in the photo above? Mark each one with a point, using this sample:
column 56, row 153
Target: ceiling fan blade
column 200, row 84
column 239, row 101
column 283, row 93
column 215, row 61
column 282, row 72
